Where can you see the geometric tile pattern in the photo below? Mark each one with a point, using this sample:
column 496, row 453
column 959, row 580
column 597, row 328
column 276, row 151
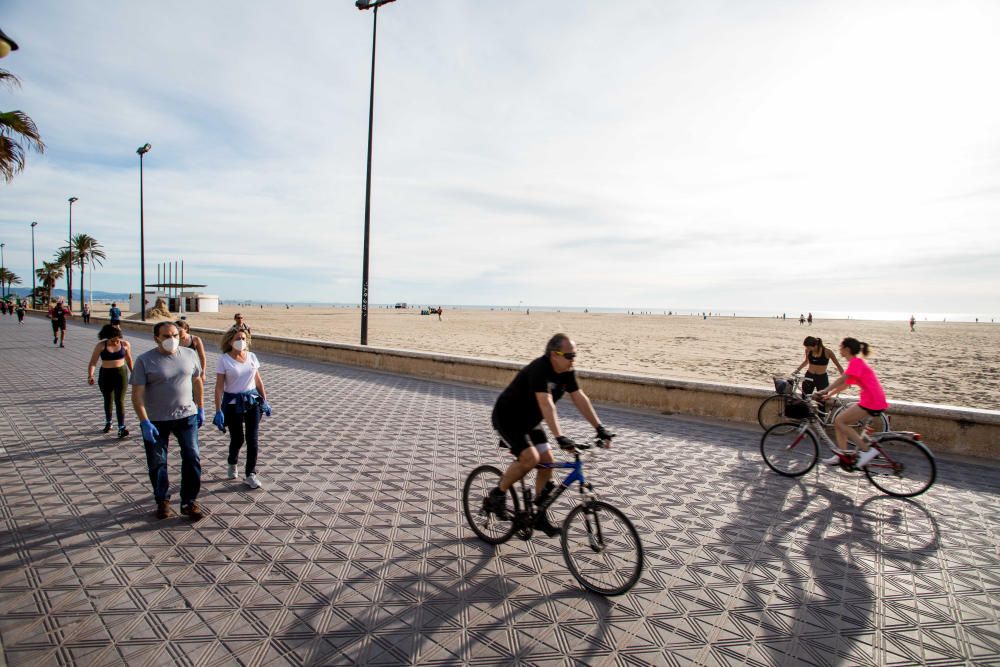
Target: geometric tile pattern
column 356, row 551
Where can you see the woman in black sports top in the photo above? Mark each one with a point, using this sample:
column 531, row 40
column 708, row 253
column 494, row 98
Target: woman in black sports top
column 817, row 359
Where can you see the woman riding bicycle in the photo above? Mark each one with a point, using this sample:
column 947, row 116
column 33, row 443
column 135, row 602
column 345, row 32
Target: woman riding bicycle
column 872, row 401
column 818, row 357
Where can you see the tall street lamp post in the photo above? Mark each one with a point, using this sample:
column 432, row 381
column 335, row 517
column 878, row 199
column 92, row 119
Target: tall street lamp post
column 142, row 150
column 363, row 5
column 69, row 247
column 33, row 225
column 2, row 274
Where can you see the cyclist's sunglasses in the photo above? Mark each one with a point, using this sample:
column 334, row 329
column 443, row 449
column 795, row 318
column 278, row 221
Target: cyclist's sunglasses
column 566, row 355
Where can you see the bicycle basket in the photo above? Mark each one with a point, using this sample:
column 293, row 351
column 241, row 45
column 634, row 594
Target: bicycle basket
column 796, row 408
column 783, row 386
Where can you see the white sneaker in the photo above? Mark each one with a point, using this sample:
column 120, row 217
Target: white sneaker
column 864, row 458
column 231, row 472
column 831, row 460
column 252, row 481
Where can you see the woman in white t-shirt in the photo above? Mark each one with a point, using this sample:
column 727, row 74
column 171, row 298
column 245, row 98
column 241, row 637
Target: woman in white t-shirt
column 240, row 400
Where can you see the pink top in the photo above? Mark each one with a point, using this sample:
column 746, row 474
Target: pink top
column 861, row 374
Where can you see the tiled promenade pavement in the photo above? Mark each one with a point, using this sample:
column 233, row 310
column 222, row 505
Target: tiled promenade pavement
column 356, row 550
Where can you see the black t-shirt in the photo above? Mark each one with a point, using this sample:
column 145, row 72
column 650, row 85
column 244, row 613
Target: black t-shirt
column 517, row 406
column 60, row 313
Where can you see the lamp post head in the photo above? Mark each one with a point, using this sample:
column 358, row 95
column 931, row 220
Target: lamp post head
column 371, row 4
column 72, row 199
column 34, row 224
column 142, row 150
column 6, row 44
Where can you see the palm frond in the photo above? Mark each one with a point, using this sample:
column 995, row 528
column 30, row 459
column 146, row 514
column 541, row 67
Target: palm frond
column 20, row 124
column 9, row 79
column 11, row 159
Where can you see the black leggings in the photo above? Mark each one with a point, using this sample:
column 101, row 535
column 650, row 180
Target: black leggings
column 114, row 382
column 242, row 427
column 815, row 382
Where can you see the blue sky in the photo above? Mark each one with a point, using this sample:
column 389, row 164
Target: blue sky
column 713, row 155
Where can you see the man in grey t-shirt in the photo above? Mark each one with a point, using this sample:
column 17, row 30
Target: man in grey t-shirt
column 167, row 397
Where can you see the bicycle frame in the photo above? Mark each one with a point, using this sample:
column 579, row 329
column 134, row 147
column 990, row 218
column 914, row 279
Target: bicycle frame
column 847, row 459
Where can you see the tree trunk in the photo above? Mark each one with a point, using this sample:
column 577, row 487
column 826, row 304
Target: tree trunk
column 82, row 299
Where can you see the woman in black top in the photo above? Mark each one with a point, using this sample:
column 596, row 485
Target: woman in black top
column 115, row 355
column 817, row 359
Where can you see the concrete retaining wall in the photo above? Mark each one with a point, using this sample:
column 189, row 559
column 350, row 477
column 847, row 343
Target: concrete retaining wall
column 955, row 430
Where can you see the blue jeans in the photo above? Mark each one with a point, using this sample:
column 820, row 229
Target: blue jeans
column 186, row 432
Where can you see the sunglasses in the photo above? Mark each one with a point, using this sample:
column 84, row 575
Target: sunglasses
column 566, row 355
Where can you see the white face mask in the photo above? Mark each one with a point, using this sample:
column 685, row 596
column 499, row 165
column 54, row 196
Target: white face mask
column 239, row 345
column 170, row 344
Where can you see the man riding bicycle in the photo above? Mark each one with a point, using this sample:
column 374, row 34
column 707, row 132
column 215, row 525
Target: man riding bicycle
column 518, row 414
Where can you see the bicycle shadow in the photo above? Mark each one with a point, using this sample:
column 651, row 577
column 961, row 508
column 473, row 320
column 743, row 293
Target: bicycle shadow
column 829, row 551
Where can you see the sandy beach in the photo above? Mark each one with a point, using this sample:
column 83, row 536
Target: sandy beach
column 941, row 362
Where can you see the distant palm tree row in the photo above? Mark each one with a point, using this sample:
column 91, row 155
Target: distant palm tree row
column 86, row 250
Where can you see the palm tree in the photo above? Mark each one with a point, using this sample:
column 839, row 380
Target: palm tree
column 48, row 275
column 88, row 251
column 18, row 134
column 10, row 278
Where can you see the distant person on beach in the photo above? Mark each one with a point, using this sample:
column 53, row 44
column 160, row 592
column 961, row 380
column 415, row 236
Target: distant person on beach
column 439, row 311
column 193, row 342
column 519, row 411
column 809, row 319
column 872, row 401
column 240, row 400
column 818, row 357
column 58, row 313
column 115, row 313
column 913, row 322
column 240, row 323
column 167, row 397
column 115, row 355
column 802, row 319
column 85, row 313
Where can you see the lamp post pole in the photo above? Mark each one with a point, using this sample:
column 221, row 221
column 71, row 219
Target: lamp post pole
column 363, row 5
column 33, row 225
column 142, row 150
column 69, row 247
column 3, row 274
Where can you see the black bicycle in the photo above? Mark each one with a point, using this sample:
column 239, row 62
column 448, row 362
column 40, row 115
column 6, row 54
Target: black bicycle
column 600, row 545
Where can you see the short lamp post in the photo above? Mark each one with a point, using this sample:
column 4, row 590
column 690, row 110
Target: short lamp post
column 69, row 247
column 363, row 5
column 33, row 225
column 142, row 150
column 3, row 273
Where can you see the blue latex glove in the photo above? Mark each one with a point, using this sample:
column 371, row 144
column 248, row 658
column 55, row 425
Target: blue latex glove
column 219, row 420
column 149, row 432
column 201, row 417
column 266, row 407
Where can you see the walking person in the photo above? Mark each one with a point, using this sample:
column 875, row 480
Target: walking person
column 872, row 401
column 167, row 397
column 58, row 313
column 193, row 342
column 115, row 354
column 85, row 313
column 115, row 313
column 240, row 323
column 20, row 312
column 913, row 322
column 240, row 400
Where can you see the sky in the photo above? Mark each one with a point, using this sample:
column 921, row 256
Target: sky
column 721, row 155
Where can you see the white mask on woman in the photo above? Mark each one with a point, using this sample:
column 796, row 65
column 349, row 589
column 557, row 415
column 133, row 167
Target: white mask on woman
column 239, row 345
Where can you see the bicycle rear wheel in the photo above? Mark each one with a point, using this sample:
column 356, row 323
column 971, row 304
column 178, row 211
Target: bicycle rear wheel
column 602, row 548
column 903, row 468
column 771, row 411
column 487, row 525
column 789, row 451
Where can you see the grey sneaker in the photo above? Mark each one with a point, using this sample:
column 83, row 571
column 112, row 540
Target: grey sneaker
column 252, row 481
column 231, row 472
column 831, row 460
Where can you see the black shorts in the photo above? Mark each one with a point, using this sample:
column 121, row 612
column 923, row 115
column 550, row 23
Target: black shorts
column 873, row 413
column 519, row 440
column 815, row 382
column 57, row 325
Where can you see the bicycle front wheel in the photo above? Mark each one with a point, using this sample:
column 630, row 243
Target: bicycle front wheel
column 771, row 411
column 485, row 524
column 903, row 468
column 788, row 450
column 602, row 548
